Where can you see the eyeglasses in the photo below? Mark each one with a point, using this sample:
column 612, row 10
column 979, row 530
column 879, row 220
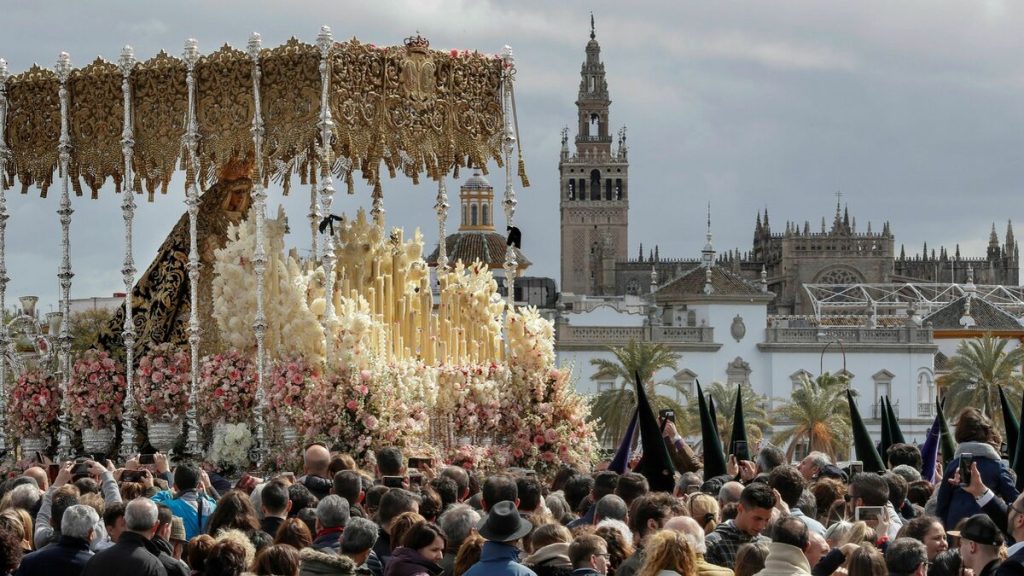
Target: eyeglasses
column 606, row 556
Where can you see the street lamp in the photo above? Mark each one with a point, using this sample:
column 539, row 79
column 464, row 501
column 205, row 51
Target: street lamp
column 834, row 340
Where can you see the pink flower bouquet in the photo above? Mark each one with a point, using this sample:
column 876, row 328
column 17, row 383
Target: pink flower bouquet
column 34, row 405
column 162, row 383
column 289, row 382
column 227, row 388
column 337, row 413
column 96, row 390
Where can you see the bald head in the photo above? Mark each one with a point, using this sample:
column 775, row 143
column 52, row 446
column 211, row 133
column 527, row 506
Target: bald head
column 316, row 461
column 817, row 548
column 39, row 475
column 691, row 529
column 729, row 493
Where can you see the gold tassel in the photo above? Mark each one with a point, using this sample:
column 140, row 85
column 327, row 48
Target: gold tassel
column 522, row 173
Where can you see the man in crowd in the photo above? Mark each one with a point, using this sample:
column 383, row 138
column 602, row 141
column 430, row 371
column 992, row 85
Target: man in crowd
column 873, row 490
column 1014, row 563
column 610, row 507
column 390, row 462
column 162, row 540
column 349, row 485
column 188, row 500
column 502, row 528
column 354, row 548
column 458, row 475
column 393, row 503
column 980, row 541
column 605, row 483
column 650, row 512
column 588, row 554
column 906, row 556
column 729, row 494
column 458, row 522
column 71, row 552
column 332, row 515
column 134, row 553
column 316, row 470
column 812, row 465
column 499, row 488
column 786, row 553
column 275, row 504
column 789, row 483
column 753, row 513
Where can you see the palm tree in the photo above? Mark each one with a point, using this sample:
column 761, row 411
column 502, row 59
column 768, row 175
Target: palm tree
column 980, row 366
column 820, row 415
column 613, row 408
column 724, row 395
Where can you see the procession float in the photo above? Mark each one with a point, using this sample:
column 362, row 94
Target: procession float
column 231, row 348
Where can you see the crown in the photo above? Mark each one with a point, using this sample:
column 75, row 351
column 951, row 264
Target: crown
column 417, row 43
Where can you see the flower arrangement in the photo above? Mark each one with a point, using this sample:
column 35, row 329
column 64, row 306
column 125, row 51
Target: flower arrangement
column 354, row 330
column 531, row 340
column 96, row 390
column 289, row 381
column 337, row 413
column 227, row 388
column 471, row 397
column 230, row 447
column 162, row 382
column 34, row 404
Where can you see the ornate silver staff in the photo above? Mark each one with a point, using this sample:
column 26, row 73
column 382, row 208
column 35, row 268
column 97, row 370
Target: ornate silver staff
column 509, row 203
column 259, row 257
column 63, row 69
column 325, row 42
column 441, row 207
column 190, row 141
column 126, row 63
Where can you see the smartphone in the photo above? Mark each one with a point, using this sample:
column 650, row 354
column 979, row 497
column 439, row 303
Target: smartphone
column 415, row 479
column 394, row 481
column 80, row 470
column 420, row 463
column 856, row 467
column 146, row 459
column 740, row 450
column 667, row 414
column 966, row 459
column 868, row 513
column 132, row 476
column 52, row 471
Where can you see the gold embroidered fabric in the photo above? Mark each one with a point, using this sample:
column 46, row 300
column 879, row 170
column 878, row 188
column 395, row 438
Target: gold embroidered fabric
column 405, row 109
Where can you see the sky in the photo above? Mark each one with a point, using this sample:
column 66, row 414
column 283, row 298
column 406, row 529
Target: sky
column 913, row 111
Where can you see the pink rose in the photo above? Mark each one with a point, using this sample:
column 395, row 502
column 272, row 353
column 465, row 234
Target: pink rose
column 539, row 440
column 547, row 456
column 352, row 405
column 158, row 377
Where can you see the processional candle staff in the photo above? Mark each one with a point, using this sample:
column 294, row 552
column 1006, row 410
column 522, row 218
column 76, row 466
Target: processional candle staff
column 5, row 154
column 509, row 203
column 259, row 258
column 63, row 69
column 190, row 141
column 126, row 63
column 325, row 42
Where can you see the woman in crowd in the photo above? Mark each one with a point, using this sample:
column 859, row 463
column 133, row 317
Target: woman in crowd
column 469, row 554
column 929, row 530
column 668, row 553
column 234, row 512
column 866, row 560
column 277, row 560
column 619, row 541
column 294, row 533
column 750, row 558
column 704, row 509
column 420, row 553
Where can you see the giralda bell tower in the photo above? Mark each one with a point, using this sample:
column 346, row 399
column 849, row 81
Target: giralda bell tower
column 593, row 188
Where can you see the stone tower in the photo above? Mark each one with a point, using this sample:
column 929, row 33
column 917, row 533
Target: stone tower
column 593, row 188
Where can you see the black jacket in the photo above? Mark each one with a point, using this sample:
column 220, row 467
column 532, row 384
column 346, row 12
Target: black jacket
column 1012, row 566
column 173, row 566
column 67, row 556
column 133, row 554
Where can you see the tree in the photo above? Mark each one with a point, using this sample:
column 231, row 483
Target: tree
column 613, row 408
column 980, row 366
column 819, row 414
column 85, row 328
column 724, row 395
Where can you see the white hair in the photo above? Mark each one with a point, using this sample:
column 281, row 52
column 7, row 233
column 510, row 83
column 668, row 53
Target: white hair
column 78, row 520
column 619, row 525
column 140, row 515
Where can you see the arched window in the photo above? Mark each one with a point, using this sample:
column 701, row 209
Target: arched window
column 483, row 215
column 595, row 184
column 464, row 219
column 583, row 189
column 472, row 212
column 572, row 189
column 590, row 83
column 595, row 125
column 608, row 189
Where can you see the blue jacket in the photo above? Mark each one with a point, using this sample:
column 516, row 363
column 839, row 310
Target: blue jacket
column 189, row 515
column 953, row 504
column 499, row 559
column 67, row 556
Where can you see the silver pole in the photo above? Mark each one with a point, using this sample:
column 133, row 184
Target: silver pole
column 510, row 201
column 190, row 141
column 259, row 259
column 63, row 69
column 325, row 42
column 126, row 63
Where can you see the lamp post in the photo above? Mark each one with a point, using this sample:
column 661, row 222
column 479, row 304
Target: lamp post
column 834, row 340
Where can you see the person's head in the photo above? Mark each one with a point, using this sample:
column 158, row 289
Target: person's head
column 908, row 473
column 704, row 509
column 358, row 539
column 469, row 554
column 274, row 499
column 866, row 560
column 689, row 483
column 529, row 491
column 332, row 512
column 868, row 490
column 39, row 475
column 649, row 513
column 904, row 454
column 589, row 551
column 769, row 457
column 141, row 517
column 812, row 464
column 750, row 558
column 1015, row 519
column 897, row 489
column 78, row 521
column 619, row 540
column 576, row 490
column 294, row 532
column 199, row 548
column 430, row 502
column 504, row 524
column 234, row 511
column 390, row 462
column 947, row 564
column 668, row 550
column 973, row 426
column 499, row 488
column 559, row 507
column 790, row 530
column 227, row 557
column 25, row 496
column 341, row 462
column 457, row 523
column 920, row 492
column 113, row 519
column 547, row 534
column 631, row 486
column 729, row 493
column 300, row 497
column 755, row 508
column 816, row 549
column 426, row 538
column 277, row 560
column 927, row 529
column 401, row 524
column 60, row 502
column 186, row 477
column 789, row 483
column 164, row 515
column 447, row 490
column 605, row 483
column 610, row 506
column 13, row 521
column 316, row 461
column 689, row 527
column 980, row 540
column 458, row 475
column 906, row 556
column 394, row 502
column 10, row 552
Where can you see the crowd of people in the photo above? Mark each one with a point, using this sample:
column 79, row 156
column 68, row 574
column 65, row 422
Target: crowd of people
column 412, row 517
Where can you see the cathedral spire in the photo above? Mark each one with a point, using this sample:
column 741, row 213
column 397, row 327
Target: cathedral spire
column 1009, row 237
column 592, row 35
column 993, row 244
column 707, row 255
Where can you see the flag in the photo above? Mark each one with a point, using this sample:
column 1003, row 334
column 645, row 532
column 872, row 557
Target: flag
column 655, row 464
column 862, row 443
column 621, row 459
column 739, row 426
column 895, row 433
column 714, row 457
column 1011, row 426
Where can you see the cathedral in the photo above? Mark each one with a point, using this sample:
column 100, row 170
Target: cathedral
column 596, row 255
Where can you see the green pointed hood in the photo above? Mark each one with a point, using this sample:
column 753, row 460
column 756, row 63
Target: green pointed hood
column 862, row 444
column 739, row 425
column 714, row 457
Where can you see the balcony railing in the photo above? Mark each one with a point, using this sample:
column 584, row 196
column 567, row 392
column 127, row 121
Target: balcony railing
column 876, row 410
column 852, row 335
column 612, row 335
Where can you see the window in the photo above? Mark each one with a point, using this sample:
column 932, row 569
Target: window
column 608, row 194
column 686, row 378
column 883, row 387
column 604, row 385
column 472, row 212
column 572, row 189
column 483, row 216
column 583, row 189
column 737, row 372
column 925, row 393
column 595, row 123
column 464, row 219
column 595, row 184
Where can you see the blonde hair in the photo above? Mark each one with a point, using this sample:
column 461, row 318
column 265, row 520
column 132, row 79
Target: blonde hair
column 704, row 509
column 859, row 533
column 668, row 550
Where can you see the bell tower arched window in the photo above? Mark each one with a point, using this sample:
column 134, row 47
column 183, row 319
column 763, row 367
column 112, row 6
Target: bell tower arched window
column 595, row 184
column 473, row 214
column 483, row 216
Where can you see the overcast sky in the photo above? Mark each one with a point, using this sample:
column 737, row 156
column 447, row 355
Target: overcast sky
column 914, row 110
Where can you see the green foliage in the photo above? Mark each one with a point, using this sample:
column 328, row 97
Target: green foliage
column 85, row 329
column 980, row 366
column 613, row 408
column 820, row 417
column 724, row 395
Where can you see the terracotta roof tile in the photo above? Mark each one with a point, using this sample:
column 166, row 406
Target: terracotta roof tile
column 986, row 316
column 487, row 247
column 691, row 283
